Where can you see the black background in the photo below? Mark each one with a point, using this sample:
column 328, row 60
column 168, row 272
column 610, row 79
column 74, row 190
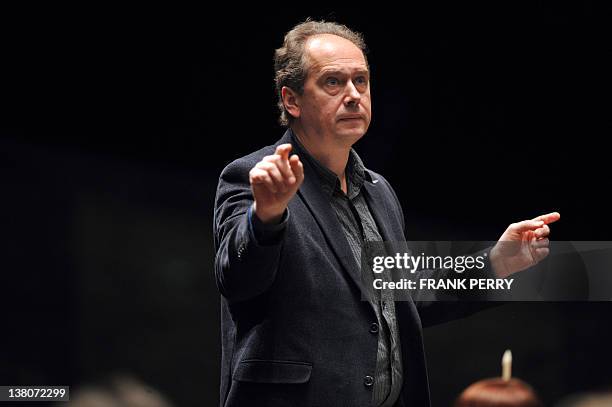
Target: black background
column 116, row 124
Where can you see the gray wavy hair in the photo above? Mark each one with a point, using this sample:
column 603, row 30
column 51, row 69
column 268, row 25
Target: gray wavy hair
column 290, row 64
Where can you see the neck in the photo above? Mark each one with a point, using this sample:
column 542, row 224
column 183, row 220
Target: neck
column 332, row 155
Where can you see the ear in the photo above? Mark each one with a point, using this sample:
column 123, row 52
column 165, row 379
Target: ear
column 291, row 101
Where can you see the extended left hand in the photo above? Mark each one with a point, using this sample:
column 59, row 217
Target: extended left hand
column 522, row 245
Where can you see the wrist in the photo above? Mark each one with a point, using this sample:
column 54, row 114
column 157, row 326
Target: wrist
column 497, row 264
column 268, row 216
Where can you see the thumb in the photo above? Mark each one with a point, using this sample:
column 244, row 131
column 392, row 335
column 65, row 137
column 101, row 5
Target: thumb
column 297, row 167
column 527, row 225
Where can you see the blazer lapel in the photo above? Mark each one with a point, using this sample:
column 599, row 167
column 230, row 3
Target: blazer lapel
column 379, row 209
column 391, row 233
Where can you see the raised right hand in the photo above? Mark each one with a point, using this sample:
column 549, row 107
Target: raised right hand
column 274, row 181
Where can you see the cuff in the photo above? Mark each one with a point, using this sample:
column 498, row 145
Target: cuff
column 267, row 234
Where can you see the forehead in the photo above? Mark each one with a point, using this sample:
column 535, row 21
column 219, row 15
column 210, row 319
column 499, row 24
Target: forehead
column 327, row 51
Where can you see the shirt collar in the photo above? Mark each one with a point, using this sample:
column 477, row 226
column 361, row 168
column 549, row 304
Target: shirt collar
column 355, row 171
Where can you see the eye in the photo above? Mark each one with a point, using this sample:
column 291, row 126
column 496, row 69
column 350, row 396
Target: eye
column 332, row 81
column 361, row 80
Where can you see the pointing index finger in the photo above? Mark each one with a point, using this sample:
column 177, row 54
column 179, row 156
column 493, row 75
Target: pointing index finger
column 549, row 217
column 283, row 150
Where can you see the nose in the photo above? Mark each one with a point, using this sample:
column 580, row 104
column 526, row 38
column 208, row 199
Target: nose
column 352, row 97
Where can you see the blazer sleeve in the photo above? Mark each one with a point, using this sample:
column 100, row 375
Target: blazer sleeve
column 244, row 266
column 442, row 306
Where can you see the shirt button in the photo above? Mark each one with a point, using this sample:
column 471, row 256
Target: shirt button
column 374, row 328
column 368, row 381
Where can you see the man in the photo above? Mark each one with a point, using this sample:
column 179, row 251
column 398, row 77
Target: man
column 288, row 234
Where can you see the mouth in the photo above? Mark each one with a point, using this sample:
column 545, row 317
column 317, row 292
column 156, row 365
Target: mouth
column 347, row 118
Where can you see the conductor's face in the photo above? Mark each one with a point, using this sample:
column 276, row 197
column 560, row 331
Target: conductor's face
column 336, row 99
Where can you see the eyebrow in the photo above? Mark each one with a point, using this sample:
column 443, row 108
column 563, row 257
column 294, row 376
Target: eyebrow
column 339, row 72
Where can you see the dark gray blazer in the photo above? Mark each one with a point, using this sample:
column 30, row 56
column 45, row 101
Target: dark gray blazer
column 294, row 329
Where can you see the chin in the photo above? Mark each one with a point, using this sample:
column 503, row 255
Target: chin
column 352, row 135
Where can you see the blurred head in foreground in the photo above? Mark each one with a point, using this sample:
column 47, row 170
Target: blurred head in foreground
column 121, row 391
column 498, row 393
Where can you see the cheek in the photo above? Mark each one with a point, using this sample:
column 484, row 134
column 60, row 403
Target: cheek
column 330, row 108
column 367, row 106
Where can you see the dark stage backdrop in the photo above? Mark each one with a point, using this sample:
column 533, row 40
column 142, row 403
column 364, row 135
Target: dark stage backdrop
column 116, row 123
